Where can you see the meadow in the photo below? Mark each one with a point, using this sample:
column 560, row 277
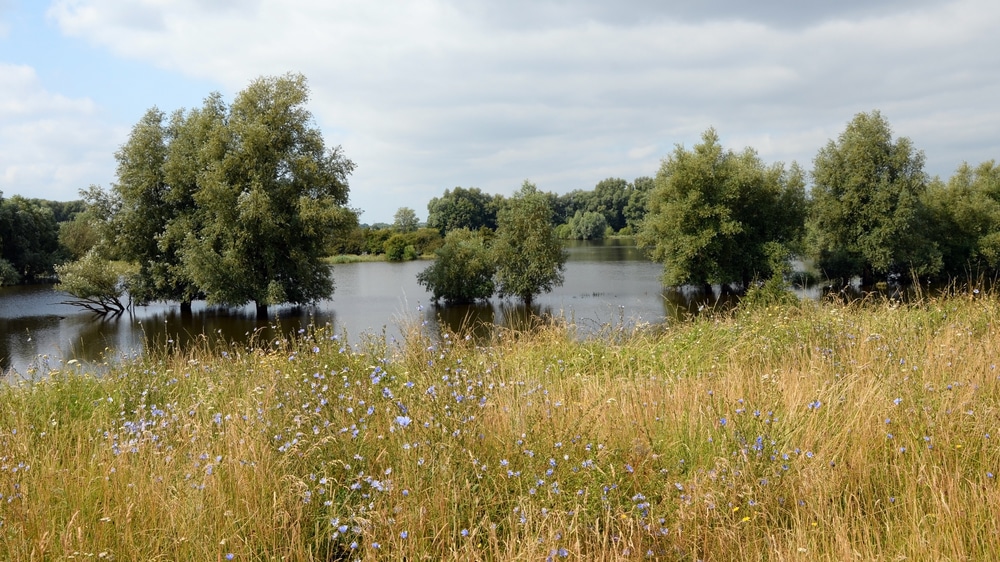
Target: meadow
column 808, row 431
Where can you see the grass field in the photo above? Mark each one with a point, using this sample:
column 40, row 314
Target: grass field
column 805, row 432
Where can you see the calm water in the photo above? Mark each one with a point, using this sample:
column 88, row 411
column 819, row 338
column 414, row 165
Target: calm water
column 607, row 284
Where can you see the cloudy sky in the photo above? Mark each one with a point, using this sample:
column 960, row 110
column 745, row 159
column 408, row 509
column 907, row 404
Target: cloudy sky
column 426, row 95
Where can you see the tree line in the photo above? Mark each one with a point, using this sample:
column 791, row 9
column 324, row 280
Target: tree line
column 242, row 202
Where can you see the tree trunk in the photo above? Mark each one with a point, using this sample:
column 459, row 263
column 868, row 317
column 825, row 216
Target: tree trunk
column 261, row 311
column 186, row 308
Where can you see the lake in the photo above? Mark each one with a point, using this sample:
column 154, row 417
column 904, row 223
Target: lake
column 608, row 283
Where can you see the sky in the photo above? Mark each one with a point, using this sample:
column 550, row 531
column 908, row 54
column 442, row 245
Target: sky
column 427, row 95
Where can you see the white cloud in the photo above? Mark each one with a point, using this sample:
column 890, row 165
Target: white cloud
column 429, row 94
column 51, row 146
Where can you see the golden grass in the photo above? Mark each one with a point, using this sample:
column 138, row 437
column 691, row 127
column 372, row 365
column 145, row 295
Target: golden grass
column 824, row 432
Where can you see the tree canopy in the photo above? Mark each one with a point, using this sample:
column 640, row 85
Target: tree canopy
column 965, row 219
column 867, row 215
column 529, row 258
column 462, row 208
column 716, row 216
column 234, row 203
column 405, row 220
column 462, row 271
column 29, row 240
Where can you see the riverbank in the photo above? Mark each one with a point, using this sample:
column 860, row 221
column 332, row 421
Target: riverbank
column 812, row 431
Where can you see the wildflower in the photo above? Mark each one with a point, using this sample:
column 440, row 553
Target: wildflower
column 404, row 535
column 465, row 532
column 403, row 421
column 229, row 556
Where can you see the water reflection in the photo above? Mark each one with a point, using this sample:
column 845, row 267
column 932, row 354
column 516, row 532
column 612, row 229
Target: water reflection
column 608, row 284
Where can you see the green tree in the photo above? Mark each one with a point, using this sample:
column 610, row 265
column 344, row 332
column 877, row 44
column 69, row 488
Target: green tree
column 146, row 204
column 462, row 271
column 867, row 217
column 270, row 202
column 565, row 206
column 399, row 247
column 97, row 284
column 611, row 197
column 79, row 235
column 405, row 220
column 29, row 240
column 462, row 208
column 716, row 216
column 965, row 219
column 528, row 256
column 635, row 209
column 587, row 226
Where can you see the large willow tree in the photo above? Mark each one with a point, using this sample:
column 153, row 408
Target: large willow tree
column 233, row 204
column 716, row 216
column 867, row 217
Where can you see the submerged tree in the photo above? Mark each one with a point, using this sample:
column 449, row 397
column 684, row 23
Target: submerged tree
column 97, row 284
column 269, row 204
column 867, row 217
column 965, row 218
column 462, row 271
column 233, row 204
column 715, row 216
column 528, row 256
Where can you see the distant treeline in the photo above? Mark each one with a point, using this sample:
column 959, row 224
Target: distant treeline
column 36, row 234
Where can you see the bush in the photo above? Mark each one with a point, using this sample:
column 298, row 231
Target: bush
column 396, row 246
column 463, row 270
column 588, row 226
column 95, row 283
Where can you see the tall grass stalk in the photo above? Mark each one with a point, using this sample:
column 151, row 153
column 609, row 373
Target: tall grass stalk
column 788, row 432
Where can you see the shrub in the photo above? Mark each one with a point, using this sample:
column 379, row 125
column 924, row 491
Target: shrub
column 463, row 270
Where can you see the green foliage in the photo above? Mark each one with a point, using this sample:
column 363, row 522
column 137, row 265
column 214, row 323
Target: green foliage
column 867, row 217
column 528, row 256
column 97, row 284
column 720, row 217
column 234, row 203
column 586, row 226
column 611, row 196
column 79, row 235
column 150, row 208
column 29, row 239
column 8, row 273
column 773, row 292
column 462, row 271
column 375, row 239
column 635, row 209
column 966, row 220
column 462, row 208
column 405, row 220
column 398, row 248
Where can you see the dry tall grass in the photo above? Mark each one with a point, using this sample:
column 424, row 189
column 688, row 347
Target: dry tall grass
column 822, row 432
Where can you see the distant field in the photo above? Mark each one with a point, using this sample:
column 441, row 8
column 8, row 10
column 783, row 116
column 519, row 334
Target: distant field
column 811, row 431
